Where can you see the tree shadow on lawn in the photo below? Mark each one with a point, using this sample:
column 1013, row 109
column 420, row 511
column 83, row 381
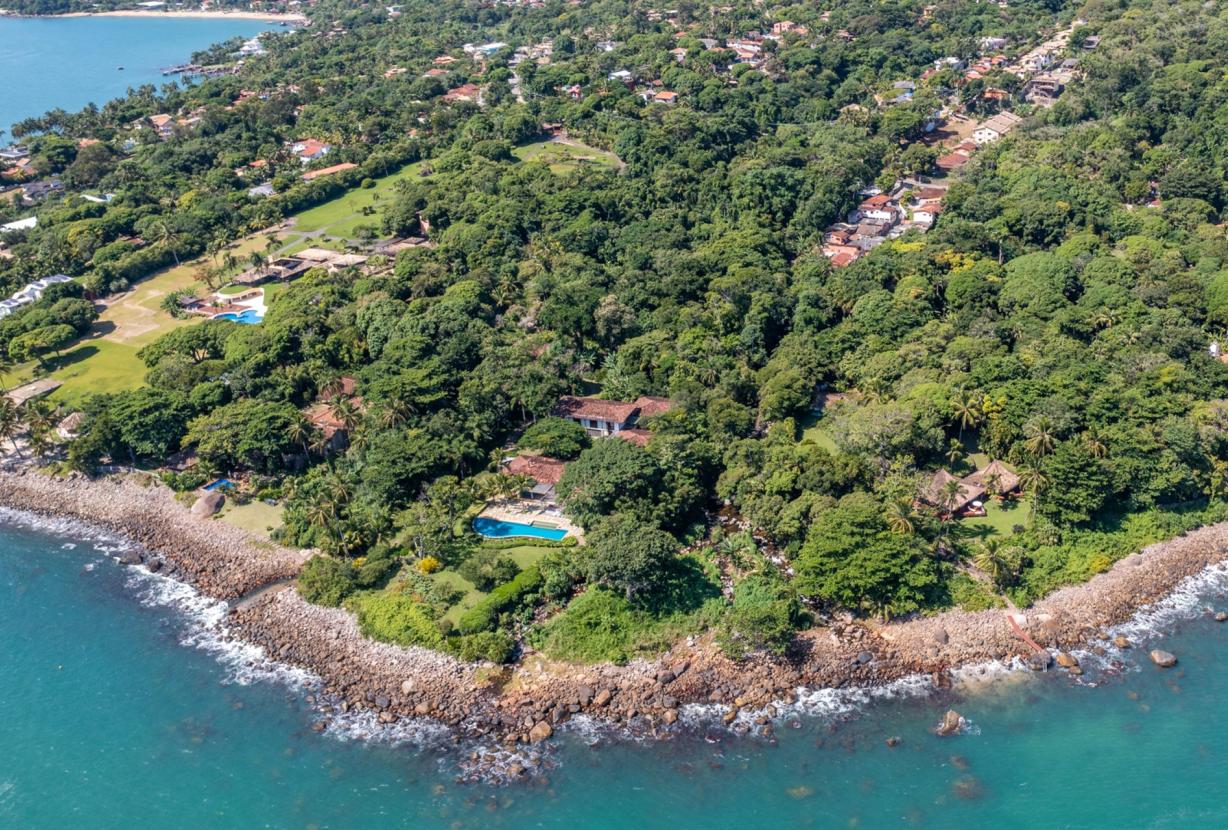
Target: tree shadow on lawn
column 71, row 358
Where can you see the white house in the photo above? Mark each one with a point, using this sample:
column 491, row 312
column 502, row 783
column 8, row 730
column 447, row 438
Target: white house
column 996, row 127
column 29, row 223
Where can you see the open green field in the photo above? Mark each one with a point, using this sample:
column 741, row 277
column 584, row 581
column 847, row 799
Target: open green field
column 566, row 156
column 105, row 360
column 1002, row 516
column 342, row 217
column 812, row 430
column 255, row 517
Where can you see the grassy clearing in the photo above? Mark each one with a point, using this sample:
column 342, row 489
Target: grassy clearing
column 524, row 556
column 105, row 360
column 1002, row 516
column 812, row 430
column 567, row 157
column 341, row 217
column 255, row 517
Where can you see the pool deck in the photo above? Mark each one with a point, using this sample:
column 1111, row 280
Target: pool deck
column 526, row 511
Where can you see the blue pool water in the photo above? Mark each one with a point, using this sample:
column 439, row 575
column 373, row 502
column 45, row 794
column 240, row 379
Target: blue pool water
column 221, row 483
column 498, row 529
column 248, row 317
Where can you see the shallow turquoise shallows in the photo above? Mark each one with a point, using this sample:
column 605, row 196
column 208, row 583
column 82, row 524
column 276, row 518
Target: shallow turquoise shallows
column 119, row 710
column 499, row 529
column 70, row 62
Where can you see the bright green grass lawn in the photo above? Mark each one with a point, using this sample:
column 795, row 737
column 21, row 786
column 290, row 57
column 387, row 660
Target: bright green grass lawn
column 1002, row 516
column 563, row 158
column 812, row 430
column 342, row 216
column 105, row 360
column 471, row 598
column 523, row 556
column 255, row 517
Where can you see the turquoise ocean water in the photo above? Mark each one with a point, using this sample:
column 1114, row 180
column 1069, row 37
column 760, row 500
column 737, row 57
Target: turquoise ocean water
column 119, row 708
column 70, row 62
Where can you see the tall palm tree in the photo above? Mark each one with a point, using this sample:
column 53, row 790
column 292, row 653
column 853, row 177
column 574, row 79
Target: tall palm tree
column 967, row 412
column 300, row 432
column 901, row 518
column 1094, row 445
column 1033, row 481
column 955, row 451
column 1039, row 433
column 10, row 423
column 164, row 236
column 345, row 412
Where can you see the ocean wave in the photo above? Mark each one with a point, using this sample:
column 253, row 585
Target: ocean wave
column 362, row 725
column 205, row 630
column 77, row 531
column 1185, row 602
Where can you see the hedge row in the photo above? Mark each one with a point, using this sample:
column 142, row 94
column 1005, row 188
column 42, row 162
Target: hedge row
column 485, row 615
column 522, row 541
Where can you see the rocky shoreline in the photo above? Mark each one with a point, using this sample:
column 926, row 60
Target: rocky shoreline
column 525, row 703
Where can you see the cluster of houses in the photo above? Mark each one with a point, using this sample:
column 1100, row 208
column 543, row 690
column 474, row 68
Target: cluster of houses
column 30, row 294
column 960, row 497
column 601, row 419
column 881, row 216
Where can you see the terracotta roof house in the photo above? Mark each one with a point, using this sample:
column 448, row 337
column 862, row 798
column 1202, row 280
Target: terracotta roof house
column 599, row 417
column 543, row 470
column 651, row 407
column 639, row 437
column 665, row 97
column 309, row 149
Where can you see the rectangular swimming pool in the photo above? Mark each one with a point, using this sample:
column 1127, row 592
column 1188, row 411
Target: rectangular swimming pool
column 499, row 529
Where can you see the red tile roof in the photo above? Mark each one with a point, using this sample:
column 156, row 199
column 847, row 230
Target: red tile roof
column 616, row 412
column 328, row 171
column 639, row 437
column 650, row 406
column 540, row 468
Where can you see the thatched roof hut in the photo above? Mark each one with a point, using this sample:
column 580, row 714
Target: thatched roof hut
column 996, row 479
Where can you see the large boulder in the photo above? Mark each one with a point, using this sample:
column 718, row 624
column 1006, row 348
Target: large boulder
column 1163, row 659
column 208, row 504
column 1067, row 661
column 540, row 731
column 951, row 723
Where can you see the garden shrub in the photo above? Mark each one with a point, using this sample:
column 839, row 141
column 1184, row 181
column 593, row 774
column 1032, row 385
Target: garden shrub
column 485, row 615
column 326, row 581
column 395, row 618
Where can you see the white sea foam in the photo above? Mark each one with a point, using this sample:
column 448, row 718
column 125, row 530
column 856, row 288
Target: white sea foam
column 1186, row 602
column 205, row 629
column 365, row 726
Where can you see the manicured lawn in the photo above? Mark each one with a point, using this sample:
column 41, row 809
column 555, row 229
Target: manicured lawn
column 1002, row 516
column 105, row 360
column 564, row 158
column 255, row 517
column 471, row 598
column 341, row 217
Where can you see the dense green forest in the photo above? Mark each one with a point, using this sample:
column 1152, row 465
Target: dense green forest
column 1058, row 317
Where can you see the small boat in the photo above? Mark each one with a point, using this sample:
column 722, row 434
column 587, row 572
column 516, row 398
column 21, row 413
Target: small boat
column 120, row 68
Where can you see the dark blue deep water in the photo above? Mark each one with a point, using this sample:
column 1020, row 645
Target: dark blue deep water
column 120, row 708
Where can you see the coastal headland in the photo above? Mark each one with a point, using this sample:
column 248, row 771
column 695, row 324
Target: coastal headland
column 526, row 702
